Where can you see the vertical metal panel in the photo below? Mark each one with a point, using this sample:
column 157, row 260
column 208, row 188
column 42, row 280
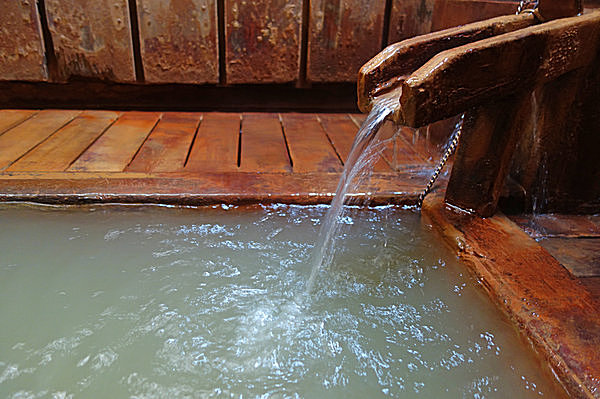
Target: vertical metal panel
column 92, row 39
column 178, row 40
column 262, row 40
column 344, row 34
column 21, row 44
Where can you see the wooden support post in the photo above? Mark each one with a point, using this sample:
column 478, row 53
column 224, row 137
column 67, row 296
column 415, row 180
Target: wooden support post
column 483, row 157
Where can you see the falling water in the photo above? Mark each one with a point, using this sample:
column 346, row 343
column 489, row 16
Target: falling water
column 358, row 166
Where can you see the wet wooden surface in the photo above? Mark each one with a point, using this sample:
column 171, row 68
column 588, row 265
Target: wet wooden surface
column 21, row 42
column 178, row 41
column 92, row 39
column 194, row 158
column 343, row 36
column 556, row 311
column 262, row 41
column 460, row 12
column 410, row 18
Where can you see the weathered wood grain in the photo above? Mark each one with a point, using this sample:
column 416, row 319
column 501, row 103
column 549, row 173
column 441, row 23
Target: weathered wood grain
column 21, row 43
column 64, row 146
column 450, row 13
column 115, row 149
column 215, row 148
column 167, row 147
column 178, row 41
column 388, row 69
column 22, row 138
column 581, row 256
column 206, row 189
column 263, row 144
column 458, row 79
column 262, row 41
column 410, row 18
column 309, row 146
column 10, row 118
column 550, row 306
column 343, row 35
column 92, row 39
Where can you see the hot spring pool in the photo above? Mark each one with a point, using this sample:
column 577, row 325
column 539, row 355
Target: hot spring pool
column 118, row 302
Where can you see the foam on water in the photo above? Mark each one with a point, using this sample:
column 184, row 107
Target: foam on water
column 178, row 303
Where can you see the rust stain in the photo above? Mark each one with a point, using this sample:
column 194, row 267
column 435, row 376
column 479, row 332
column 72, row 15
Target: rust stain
column 179, row 40
column 92, row 39
column 410, row 18
column 21, row 45
column 343, row 35
column 262, row 41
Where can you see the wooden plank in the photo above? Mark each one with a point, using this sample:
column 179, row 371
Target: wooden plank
column 592, row 284
column 309, row 146
column 338, row 129
column 388, row 69
column 581, row 256
column 21, row 44
column 548, row 304
column 199, row 189
column 216, row 145
column 22, row 138
column 557, row 225
column 178, row 41
column 10, row 118
column 343, row 35
column 63, row 147
column 92, row 39
column 463, row 77
column 448, row 13
column 263, row 144
column 167, row 147
column 410, row 18
column 115, row 149
column 262, row 40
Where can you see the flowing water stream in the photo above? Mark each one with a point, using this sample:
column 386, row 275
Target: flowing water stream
column 358, row 167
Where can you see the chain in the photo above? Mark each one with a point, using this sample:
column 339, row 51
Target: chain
column 452, row 144
column 521, row 9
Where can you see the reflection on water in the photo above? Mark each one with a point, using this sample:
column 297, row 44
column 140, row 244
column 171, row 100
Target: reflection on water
column 194, row 303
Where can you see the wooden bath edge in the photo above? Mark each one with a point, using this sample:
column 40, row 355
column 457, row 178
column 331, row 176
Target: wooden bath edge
column 187, row 189
column 550, row 307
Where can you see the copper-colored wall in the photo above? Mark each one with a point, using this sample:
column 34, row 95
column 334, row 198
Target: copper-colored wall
column 214, row 41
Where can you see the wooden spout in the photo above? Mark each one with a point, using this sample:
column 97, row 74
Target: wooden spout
column 387, row 70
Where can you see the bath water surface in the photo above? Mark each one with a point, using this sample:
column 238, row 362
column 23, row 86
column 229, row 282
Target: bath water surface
column 117, row 302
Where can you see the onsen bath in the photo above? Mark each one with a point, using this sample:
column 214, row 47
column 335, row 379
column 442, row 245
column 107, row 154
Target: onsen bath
column 116, row 301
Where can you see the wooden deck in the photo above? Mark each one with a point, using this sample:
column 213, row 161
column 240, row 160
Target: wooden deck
column 67, row 156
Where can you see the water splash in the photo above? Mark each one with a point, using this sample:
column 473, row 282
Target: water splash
column 359, row 165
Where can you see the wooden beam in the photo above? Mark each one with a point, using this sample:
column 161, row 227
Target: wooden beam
column 460, row 78
column 387, row 70
column 178, row 41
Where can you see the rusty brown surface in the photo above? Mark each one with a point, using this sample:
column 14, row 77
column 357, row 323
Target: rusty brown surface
column 410, row 18
column 343, row 35
column 450, row 13
column 178, row 40
column 207, row 188
column 581, row 256
column 460, row 78
column 558, row 225
column 552, row 9
column 484, row 154
column 550, row 307
column 21, row 44
column 262, row 40
column 92, row 39
column 387, row 70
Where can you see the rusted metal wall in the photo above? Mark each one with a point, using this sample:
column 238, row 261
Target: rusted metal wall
column 343, row 35
column 262, row 40
column 178, row 40
column 92, row 39
column 21, row 45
